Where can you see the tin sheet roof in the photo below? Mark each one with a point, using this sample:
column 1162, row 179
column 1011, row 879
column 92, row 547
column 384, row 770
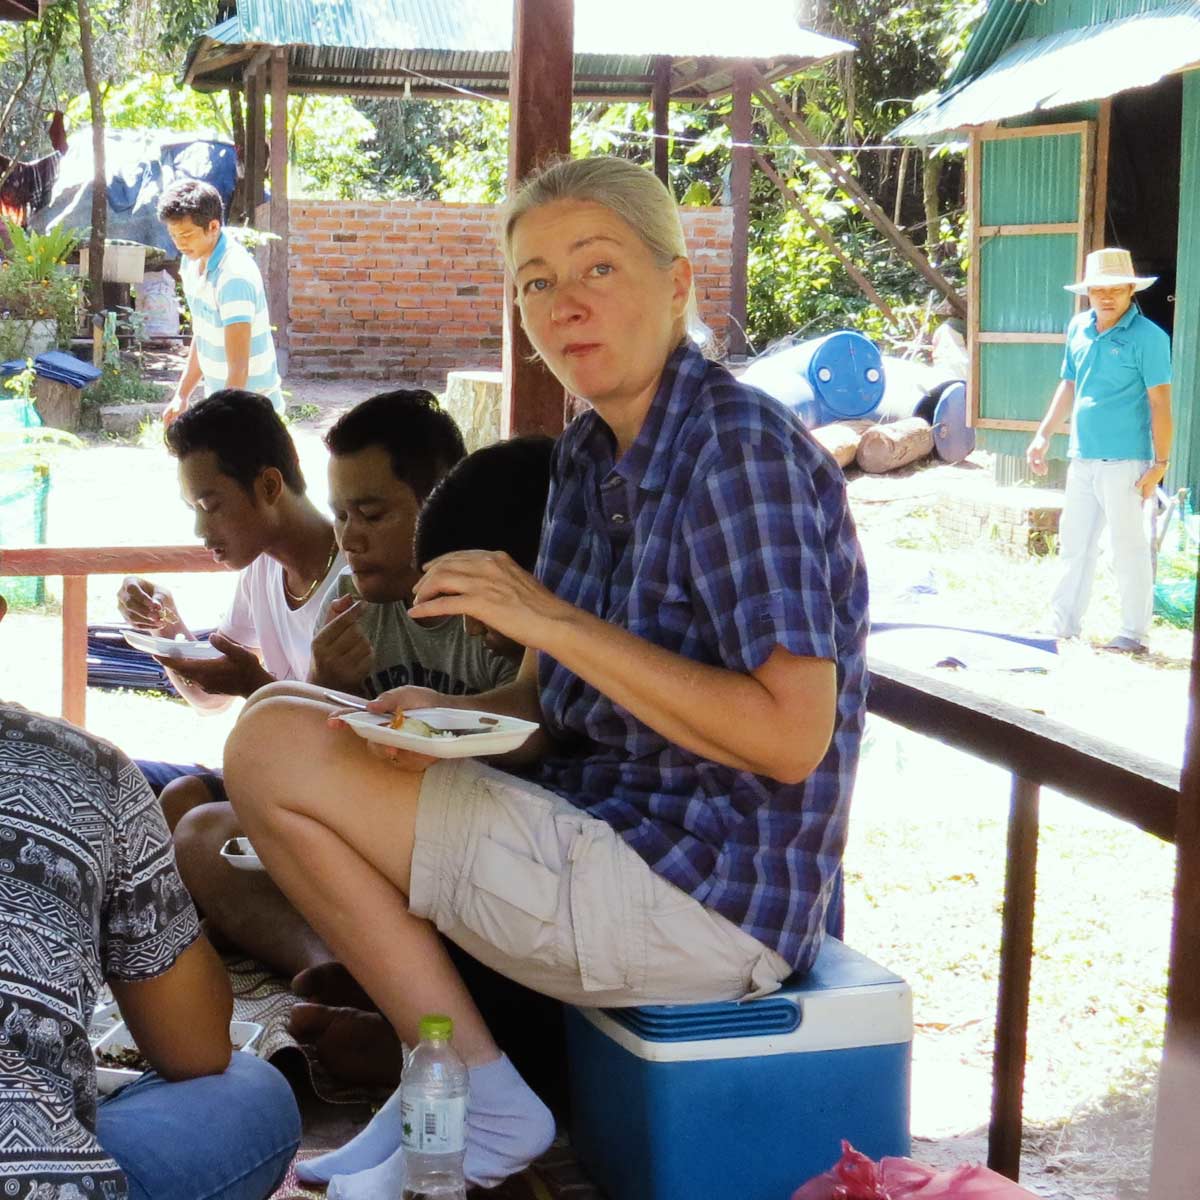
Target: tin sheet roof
column 371, row 44
column 1088, row 63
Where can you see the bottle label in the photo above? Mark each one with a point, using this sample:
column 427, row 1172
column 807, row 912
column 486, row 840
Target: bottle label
column 434, row 1126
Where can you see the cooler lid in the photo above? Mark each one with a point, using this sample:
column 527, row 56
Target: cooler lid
column 845, row 1000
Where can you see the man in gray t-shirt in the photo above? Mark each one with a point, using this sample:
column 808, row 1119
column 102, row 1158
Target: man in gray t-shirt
column 435, row 654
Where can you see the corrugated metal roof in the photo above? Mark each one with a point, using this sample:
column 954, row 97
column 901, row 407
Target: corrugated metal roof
column 467, row 42
column 1064, row 68
column 748, row 29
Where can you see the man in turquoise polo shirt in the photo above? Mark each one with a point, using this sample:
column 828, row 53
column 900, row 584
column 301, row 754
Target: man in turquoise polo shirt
column 1116, row 386
column 232, row 346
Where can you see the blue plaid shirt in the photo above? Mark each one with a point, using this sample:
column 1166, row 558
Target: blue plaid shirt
column 720, row 534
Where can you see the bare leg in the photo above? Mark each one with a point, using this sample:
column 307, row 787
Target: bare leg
column 334, row 825
column 180, row 796
column 244, row 908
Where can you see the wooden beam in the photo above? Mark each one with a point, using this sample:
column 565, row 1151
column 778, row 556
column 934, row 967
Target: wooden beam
column 739, row 185
column 74, row 649
column 539, row 130
column 256, row 135
column 974, row 292
column 793, row 201
column 1016, row 962
column 1126, row 785
column 1175, row 1162
column 106, row 560
column 277, row 262
column 1100, row 169
column 1001, row 336
column 661, row 104
column 799, row 133
column 987, row 231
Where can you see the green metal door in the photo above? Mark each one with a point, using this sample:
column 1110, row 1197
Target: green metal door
column 1031, row 213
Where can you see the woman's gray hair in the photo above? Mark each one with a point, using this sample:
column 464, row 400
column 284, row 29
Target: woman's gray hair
column 636, row 195
column 633, row 193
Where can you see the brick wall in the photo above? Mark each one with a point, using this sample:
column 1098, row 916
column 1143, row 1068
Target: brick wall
column 405, row 291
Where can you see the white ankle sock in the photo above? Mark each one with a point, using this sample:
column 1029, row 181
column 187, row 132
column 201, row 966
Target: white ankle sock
column 507, row 1125
column 383, row 1182
column 368, row 1148
column 507, row 1128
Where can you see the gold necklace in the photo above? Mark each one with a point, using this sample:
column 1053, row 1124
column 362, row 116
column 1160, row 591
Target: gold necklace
column 287, row 591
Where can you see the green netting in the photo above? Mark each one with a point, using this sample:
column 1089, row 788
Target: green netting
column 23, row 496
column 1175, row 577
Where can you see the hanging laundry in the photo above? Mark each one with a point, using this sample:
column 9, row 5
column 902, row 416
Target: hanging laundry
column 27, row 185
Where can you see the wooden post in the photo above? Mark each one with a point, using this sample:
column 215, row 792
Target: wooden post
column 1175, row 1162
column 256, row 134
column 661, row 104
column 1016, row 957
column 739, row 185
column 540, row 90
column 74, row 649
column 277, row 271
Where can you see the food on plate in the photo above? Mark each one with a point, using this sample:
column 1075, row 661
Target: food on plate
column 415, row 725
column 123, row 1058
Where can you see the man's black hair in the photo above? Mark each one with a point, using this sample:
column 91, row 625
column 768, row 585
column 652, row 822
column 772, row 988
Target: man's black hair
column 494, row 499
column 191, row 198
column 245, row 433
column 421, row 440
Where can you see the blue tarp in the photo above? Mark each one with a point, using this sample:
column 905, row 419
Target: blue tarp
column 140, row 166
column 56, row 365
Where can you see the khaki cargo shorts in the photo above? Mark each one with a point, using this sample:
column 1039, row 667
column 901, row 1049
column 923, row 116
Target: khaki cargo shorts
column 553, row 898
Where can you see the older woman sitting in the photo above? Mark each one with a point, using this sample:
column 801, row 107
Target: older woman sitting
column 695, row 632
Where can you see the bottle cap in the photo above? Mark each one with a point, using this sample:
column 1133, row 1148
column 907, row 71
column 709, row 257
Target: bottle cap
column 434, row 1025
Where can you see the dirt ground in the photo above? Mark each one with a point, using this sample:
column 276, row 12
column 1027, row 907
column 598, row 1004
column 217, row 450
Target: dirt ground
column 925, row 860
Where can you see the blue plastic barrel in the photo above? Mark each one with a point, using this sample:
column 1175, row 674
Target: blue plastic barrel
column 953, row 438
column 833, row 378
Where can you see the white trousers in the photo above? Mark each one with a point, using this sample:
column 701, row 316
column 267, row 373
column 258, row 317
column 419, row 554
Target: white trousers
column 1100, row 491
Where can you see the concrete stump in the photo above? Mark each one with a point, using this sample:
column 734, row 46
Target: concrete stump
column 475, row 399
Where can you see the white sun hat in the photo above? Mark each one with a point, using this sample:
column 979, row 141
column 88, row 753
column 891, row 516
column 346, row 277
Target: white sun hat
column 1109, row 268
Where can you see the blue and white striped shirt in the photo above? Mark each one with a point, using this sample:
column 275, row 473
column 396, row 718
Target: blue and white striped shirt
column 230, row 290
column 722, row 532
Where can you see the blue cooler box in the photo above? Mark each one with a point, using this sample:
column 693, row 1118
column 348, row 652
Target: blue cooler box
column 743, row 1101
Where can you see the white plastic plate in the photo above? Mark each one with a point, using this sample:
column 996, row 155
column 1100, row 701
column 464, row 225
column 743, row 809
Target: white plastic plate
column 239, row 854
column 180, row 651
column 491, row 732
column 243, row 1034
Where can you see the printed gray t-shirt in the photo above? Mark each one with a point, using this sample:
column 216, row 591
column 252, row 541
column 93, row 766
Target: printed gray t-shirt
column 88, row 891
column 441, row 656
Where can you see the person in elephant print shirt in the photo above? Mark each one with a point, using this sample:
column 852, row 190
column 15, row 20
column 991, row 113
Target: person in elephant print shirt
column 89, row 894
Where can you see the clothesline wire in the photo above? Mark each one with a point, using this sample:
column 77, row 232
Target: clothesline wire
column 471, row 94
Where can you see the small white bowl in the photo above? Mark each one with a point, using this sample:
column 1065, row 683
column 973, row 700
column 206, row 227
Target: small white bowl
column 243, row 1034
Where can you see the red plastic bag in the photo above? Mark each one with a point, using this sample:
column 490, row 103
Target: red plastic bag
column 856, row 1177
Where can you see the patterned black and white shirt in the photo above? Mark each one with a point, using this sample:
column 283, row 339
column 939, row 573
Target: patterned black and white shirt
column 88, row 892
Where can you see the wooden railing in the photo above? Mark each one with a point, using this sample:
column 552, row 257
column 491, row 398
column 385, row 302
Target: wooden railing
column 75, row 565
column 1037, row 751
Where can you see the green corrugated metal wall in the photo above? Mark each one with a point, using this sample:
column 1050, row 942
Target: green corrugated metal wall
column 1185, row 468
column 1021, row 286
column 1060, row 15
column 1030, row 181
column 1025, row 181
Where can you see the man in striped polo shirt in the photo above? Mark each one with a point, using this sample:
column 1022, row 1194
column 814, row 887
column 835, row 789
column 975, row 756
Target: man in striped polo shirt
column 231, row 345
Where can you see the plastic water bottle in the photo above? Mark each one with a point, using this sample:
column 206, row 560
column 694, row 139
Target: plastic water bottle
column 433, row 1105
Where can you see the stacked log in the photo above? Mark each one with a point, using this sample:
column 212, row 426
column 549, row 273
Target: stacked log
column 876, row 448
